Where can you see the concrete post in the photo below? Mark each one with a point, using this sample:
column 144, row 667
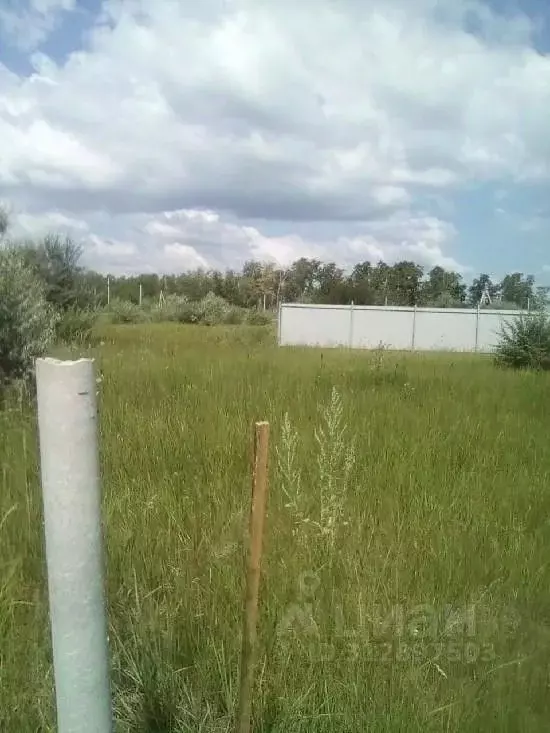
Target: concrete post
column 67, row 422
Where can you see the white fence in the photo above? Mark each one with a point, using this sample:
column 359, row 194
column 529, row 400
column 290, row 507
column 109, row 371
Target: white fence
column 394, row 327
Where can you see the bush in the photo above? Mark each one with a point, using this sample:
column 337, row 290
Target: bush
column 123, row 311
column 75, row 326
column 212, row 309
column 174, row 308
column 56, row 261
column 27, row 321
column 188, row 313
column 259, row 318
column 4, row 221
column 234, row 316
column 525, row 343
column 502, row 305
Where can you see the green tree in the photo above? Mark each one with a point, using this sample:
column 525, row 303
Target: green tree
column 4, row 222
column 330, row 282
column 302, row 280
column 405, row 278
column 518, row 289
column 27, row 320
column 443, row 288
column 540, row 300
column 361, row 280
column 477, row 288
column 260, row 283
column 56, row 262
column 380, row 281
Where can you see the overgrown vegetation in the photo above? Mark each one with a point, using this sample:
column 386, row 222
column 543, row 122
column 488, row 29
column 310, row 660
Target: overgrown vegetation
column 56, row 261
column 80, row 297
column 263, row 286
column 75, row 326
column 212, row 310
column 406, row 575
column 47, row 296
column 525, row 343
column 44, row 298
column 27, row 320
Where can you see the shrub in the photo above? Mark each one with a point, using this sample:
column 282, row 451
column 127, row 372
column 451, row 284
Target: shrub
column 446, row 300
column 188, row 313
column 525, row 343
column 234, row 316
column 172, row 309
column 27, row 321
column 56, row 261
column 123, row 311
column 4, row 221
column 75, row 326
column 258, row 318
column 502, row 305
column 212, row 309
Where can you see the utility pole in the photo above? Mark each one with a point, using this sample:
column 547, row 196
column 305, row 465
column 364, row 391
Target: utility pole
column 485, row 296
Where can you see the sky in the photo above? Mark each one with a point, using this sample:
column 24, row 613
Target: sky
column 166, row 135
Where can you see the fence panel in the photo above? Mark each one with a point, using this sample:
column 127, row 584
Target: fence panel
column 399, row 328
column 373, row 327
column 451, row 331
column 328, row 326
column 490, row 324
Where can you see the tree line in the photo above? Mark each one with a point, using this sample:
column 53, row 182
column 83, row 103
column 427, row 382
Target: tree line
column 264, row 285
column 47, row 295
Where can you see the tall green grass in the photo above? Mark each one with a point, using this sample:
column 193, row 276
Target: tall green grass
column 406, row 583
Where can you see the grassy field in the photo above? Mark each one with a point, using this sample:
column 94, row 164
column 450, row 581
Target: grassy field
column 406, row 582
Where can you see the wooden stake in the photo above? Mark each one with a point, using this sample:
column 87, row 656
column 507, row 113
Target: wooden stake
column 256, row 530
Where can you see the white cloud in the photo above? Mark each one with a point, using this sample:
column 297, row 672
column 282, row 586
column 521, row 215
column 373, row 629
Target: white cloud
column 111, row 250
column 194, row 238
column 48, row 156
column 28, row 23
column 36, row 225
column 256, row 110
column 183, row 256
